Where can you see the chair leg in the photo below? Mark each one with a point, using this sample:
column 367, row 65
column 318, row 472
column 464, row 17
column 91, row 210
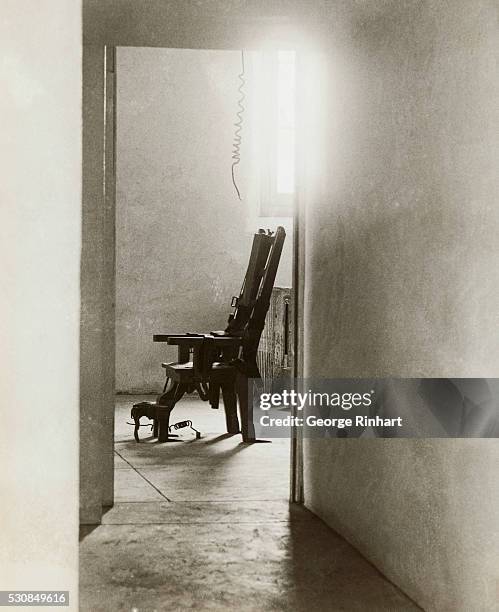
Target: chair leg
column 214, row 395
column 163, row 421
column 245, row 408
column 164, row 406
column 230, row 407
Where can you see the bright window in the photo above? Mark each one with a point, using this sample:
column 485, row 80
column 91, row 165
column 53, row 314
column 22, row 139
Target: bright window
column 275, row 79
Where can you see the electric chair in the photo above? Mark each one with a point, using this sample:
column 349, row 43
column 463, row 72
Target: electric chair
column 221, row 362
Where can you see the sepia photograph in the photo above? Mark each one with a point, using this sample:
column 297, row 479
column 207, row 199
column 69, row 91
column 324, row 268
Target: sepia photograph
column 250, row 305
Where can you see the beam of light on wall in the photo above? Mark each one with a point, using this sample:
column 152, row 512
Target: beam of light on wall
column 316, row 123
column 285, row 167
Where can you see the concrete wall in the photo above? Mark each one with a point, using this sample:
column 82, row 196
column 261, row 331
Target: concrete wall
column 403, row 280
column 40, row 220
column 182, row 236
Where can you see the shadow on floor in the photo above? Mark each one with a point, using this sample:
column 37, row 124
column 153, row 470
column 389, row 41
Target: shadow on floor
column 207, row 526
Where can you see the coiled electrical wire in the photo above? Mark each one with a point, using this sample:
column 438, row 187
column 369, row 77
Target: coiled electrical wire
column 236, row 151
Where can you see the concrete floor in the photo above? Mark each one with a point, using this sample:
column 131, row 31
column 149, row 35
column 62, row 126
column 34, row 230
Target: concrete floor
column 206, row 525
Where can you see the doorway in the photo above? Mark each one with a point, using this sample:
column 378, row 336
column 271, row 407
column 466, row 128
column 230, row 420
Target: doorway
column 185, row 217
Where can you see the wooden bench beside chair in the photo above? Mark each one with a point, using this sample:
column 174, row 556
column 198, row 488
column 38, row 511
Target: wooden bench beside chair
column 221, row 361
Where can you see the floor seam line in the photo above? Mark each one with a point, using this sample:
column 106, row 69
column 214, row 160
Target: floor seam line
column 214, row 522
column 142, row 476
column 211, row 501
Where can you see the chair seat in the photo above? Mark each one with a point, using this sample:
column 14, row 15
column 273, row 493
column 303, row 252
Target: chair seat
column 184, row 372
column 178, row 366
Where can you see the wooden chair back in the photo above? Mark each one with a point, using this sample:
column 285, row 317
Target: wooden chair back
column 262, row 243
column 256, row 319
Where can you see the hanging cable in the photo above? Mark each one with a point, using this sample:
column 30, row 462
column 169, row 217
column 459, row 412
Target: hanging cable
column 236, row 151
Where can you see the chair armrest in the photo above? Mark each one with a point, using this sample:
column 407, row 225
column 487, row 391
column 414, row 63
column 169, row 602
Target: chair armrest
column 180, row 337
column 197, row 339
column 190, row 341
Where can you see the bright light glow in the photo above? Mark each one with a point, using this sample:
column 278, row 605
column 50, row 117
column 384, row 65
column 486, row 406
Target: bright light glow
column 285, row 179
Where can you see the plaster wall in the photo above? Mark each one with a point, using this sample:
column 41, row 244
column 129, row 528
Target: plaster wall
column 97, row 346
column 182, row 236
column 402, row 278
column 40, row 221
